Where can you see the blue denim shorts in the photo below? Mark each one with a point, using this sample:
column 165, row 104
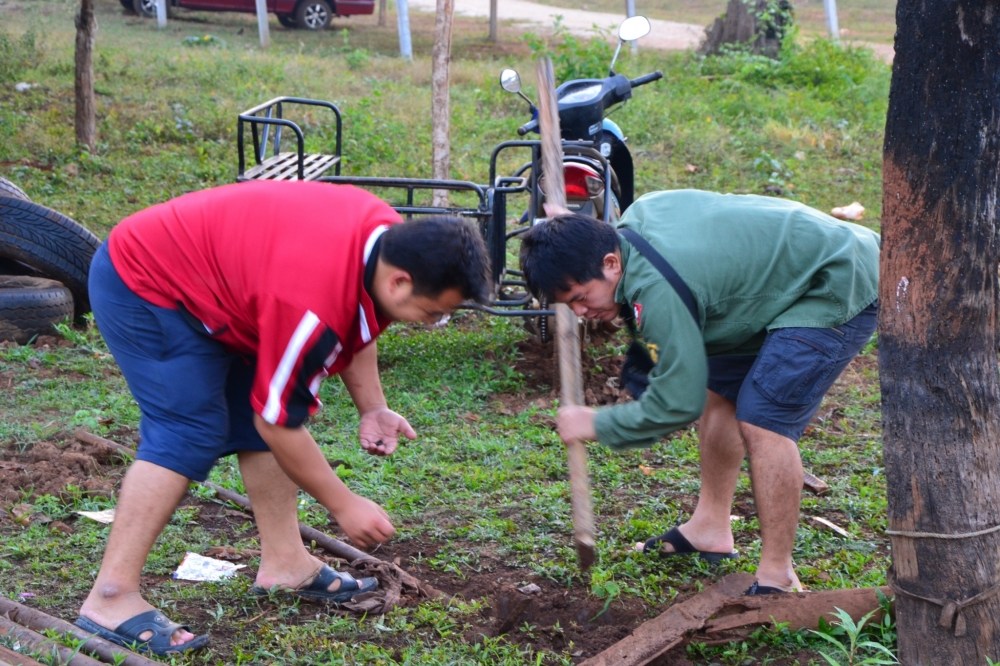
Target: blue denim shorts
column 193, row 394
column 781, row 387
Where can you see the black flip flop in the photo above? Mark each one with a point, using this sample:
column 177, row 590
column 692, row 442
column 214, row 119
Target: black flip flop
column 682, row 546
column 757, row 590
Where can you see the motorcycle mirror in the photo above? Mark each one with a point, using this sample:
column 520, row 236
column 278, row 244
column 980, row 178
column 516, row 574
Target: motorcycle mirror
column 633, row 28
column 510, row 80
column 630, row 30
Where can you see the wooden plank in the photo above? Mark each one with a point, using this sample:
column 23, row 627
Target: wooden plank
column 797, row 610
column 654, row 638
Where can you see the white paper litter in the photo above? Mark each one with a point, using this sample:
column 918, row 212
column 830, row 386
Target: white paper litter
column 106, row 516
column 200, row 568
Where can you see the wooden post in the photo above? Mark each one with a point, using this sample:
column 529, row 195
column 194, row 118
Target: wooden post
column 86, row 114
column 440, row 99
column 493, row 21
column 567, row 326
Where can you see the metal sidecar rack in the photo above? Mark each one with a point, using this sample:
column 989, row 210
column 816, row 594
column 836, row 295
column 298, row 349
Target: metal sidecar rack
column 270, row 158
column 485, row 205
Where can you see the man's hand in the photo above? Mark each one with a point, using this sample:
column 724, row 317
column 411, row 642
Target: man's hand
column 365, row 522
column 576, row 424
column 380, row 430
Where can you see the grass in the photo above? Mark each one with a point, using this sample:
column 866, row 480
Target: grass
column 485, row 483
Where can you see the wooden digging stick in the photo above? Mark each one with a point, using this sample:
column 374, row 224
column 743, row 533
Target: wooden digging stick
column 567, row 329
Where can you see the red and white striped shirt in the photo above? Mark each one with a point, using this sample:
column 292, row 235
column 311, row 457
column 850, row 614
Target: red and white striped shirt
column 273, row 270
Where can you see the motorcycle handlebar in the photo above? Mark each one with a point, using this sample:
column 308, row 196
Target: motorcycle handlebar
column 645, row 78
column 529, row 126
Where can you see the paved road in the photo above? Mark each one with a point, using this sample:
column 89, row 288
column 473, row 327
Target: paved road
column 664, row 34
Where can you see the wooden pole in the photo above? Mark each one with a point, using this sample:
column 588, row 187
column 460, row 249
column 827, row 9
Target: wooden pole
column 41, row 644
column 34, row 619
column 567, row 327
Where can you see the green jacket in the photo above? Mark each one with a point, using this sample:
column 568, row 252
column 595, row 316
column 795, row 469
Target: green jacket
column 753, row 264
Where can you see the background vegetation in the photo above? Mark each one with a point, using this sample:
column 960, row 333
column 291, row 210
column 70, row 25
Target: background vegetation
column 485, row 482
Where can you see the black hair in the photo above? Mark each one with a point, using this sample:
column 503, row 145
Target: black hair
column 564, row 249
column 439, row 252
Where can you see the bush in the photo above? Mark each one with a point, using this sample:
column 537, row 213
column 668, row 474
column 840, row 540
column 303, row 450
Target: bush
column 16, row 55
column 572, row 57
column 823, row 67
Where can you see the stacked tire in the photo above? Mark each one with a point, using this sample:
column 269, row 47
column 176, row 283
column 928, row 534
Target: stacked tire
column 44, row 262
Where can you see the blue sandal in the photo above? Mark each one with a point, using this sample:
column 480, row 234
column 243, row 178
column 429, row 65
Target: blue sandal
column 318, row 588
column 128, row 632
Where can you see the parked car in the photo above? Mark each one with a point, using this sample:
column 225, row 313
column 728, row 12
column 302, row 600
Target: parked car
column 308, row 14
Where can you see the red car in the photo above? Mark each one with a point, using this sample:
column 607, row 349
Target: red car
column 309, row 14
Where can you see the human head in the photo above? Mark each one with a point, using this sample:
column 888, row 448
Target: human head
column 438, row 260
column 563, row 250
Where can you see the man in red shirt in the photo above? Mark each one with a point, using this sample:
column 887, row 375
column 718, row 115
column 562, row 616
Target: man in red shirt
column 225, row 309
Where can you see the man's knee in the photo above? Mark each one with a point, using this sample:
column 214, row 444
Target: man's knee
column 758, row 439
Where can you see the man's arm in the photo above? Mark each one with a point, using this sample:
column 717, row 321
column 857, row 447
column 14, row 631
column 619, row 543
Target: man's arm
column 362, row 380
column 364, row 521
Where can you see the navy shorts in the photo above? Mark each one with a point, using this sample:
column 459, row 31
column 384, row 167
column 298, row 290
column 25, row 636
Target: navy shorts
column 193, row 394
column 781, row 387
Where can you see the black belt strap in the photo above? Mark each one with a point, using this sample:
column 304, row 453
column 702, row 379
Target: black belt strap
column 662, row 265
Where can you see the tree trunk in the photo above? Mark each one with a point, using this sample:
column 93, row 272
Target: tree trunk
column 493, row 21
column 86, row 116
column 938, row 330
column 440, row 104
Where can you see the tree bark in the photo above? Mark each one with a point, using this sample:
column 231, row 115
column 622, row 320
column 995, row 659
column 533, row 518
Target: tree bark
column 757, row 25
column 440, row 103
column 938, row 330
column 86, row 115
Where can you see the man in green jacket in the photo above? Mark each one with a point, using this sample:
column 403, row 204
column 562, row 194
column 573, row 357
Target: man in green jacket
column 784, row 296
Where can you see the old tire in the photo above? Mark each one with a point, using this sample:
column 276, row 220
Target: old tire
column 9, row 189
column 31, row 306
column 49, row 242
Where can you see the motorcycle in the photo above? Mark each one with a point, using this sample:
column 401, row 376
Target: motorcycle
column 598, row 170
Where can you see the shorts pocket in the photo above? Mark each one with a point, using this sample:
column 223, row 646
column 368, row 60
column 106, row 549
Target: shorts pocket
column 797, row 366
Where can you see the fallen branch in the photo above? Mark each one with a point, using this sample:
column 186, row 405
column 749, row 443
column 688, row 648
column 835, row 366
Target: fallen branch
column 330, row 544
column 37, row 620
